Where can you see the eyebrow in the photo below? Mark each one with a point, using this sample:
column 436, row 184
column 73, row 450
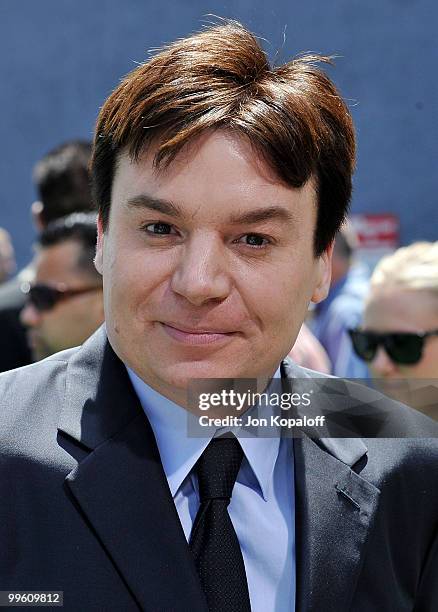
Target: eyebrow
column 163, row 206
column 270, row 213
column 166, row 207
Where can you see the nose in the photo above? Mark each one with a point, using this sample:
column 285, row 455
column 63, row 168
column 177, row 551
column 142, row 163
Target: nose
column 201, row 274
column 382, row 365
column 30, row 316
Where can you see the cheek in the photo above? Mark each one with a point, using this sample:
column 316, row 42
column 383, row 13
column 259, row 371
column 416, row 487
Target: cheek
column 133, row 282
column 54, row 323
column 428, row 367
column 280, row 301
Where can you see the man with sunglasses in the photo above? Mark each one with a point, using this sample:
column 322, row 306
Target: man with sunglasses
column 399, row 335
column 64, row 303
column 221, row 182
column 62, row 182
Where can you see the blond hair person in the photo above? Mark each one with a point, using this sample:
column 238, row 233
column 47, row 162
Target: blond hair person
column 399, row 336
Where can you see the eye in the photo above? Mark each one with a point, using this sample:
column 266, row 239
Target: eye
column 159, row 228
column 256, row 241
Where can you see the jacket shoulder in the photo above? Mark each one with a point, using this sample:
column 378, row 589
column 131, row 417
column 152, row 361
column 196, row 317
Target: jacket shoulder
column 32, row 395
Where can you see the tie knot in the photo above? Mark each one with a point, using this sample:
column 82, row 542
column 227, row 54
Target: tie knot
column 217, row 468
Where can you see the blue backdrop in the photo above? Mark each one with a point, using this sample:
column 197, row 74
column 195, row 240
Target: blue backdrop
column 61, row 58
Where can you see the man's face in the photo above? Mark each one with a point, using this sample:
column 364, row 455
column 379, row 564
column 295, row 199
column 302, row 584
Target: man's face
column 397, row 309
column 208, row 265
column 72, row 320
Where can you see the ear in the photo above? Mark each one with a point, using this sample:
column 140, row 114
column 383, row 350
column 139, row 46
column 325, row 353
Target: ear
column 98, row 260
column 37, row 208
column 324, row 274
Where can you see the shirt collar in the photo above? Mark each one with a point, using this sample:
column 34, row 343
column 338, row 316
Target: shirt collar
column 179, row 452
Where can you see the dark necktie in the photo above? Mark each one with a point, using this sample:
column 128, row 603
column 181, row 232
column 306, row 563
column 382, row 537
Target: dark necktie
column 213, row 541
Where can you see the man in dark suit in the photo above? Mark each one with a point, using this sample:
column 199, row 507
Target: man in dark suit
column 221, row 183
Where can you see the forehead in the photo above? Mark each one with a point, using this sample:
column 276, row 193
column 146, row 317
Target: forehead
column 402, row 309
column 58, row 263
column 215, row 175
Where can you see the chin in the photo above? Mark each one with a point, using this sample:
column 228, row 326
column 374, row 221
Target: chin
column 179, row 375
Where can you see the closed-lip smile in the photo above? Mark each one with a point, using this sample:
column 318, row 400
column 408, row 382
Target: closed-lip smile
column 187, row 335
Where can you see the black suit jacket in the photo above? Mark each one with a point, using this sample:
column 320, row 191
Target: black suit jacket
column 86, row 509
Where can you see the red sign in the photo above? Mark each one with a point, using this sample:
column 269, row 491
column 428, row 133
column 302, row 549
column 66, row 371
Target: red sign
column 380, row 231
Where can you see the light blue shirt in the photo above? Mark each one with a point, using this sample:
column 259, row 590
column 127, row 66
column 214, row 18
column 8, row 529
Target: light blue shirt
column 262, row 507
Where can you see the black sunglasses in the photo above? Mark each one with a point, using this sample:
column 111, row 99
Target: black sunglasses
column 44, row 297
column 402, row 347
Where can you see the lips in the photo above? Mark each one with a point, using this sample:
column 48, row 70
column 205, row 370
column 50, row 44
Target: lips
column 192, row 330
column 194, row 337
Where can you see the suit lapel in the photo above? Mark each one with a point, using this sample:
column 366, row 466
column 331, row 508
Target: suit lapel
column 335, row 510
column 120, row 485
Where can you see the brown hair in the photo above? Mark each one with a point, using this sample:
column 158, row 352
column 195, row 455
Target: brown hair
column 220, row 78
column 62, row 179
